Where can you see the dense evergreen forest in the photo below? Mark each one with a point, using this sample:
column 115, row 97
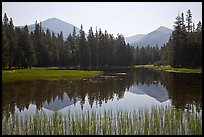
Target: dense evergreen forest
column 41, row 48
column 184, row 48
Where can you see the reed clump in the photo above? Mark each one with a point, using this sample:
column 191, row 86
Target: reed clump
column 155, row 121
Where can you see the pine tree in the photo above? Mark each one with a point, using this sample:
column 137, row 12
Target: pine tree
column 120, row 46
column 100, row 49
column 177, row 42
column 48, row 42
column 40, row 46
column 5, row 44
column 30, row 53
column 92, row 48
column 72, row 40
column 198, row 34
column 11, row 43
column 19, row 49
column 189, row 21
column 96, row 42
column 83, row 50
column 182, row 49
column 4, row 50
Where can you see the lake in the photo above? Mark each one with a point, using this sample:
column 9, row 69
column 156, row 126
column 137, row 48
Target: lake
column 118, row 89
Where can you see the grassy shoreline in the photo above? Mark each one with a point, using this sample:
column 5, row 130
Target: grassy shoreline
column 164, row 120
column 46, row 74
column 169, row 69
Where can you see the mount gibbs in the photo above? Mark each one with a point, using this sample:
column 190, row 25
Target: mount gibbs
column 55, row 25
column 52, row 43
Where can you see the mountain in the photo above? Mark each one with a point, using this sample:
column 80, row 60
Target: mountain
column 159, row 37
column 134, row 38
column 56, row 25
column 58, row 103
column 157, row 91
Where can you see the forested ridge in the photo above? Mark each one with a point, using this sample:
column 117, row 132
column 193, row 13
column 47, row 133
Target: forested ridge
column 24, row 49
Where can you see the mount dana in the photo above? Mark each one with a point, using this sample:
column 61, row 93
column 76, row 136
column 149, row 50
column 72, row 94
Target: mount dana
column 159, row 37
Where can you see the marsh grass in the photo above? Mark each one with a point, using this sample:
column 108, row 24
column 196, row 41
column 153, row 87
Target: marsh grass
column 170, row 69
column 155, row 121
column 46, row 74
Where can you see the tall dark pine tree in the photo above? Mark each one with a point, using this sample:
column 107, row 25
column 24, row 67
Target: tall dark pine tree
column 96, row 42
column 49, row 46
column 83, row 50
column 120, row 48
column 5, row 44
column 107, row 49
column 199, row 27
column 111, row 52
column 198, row 34
column 40, row 46
column 189, row 21
column 4, row 50
column 63, row 55
column 177, row 43
column 100, row 49
column 55, row 50
column 92, row 48
column 30, row 54
column 19, row 50
column 11, row 43
column 37, row 41
column 184, row 48
column 183, row 39
column 72, row 40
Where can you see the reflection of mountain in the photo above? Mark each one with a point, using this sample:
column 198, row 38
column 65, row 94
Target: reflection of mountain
column 183, row 89
column 31, row 111
column 57, row 103
column 157, row 91
column 55, row 95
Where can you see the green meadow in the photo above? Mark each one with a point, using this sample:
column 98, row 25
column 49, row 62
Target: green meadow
column 46, row 74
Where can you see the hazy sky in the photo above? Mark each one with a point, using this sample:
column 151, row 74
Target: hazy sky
column 127, row 18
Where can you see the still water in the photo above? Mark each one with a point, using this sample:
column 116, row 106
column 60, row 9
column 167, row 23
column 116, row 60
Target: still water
column 127, row 89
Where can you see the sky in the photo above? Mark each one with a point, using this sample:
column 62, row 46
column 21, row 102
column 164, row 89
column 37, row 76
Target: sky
column 127, row 18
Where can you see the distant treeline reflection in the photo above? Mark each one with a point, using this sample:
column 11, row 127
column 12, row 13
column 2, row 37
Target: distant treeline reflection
column 184, row 89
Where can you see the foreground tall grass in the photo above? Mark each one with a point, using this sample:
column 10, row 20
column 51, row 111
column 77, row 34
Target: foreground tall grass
column 157, row 121
column 46, row 74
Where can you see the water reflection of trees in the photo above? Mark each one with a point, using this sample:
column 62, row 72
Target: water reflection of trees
column 100, row 89
column 146, row 76
column 184, row 89
column 22, row 94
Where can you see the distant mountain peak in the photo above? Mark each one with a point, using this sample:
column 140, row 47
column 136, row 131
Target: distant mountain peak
column 55, row 19
column 157, row 37
column 56, row 25
column 134, row 38
column 163, row 29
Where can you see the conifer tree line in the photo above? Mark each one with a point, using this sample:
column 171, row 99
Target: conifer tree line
column 24, row 49
column 42, row 48
column 184, row 48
